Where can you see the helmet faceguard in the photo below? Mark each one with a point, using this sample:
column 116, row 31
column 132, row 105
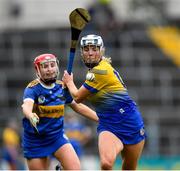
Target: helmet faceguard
column 39, row 61
column 92, row 40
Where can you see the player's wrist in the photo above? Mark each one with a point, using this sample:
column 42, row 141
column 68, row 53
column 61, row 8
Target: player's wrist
column 70, row 83
column 30, row 115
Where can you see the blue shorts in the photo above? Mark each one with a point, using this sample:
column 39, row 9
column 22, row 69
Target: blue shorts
column 128, row 127
column 126, row 139
column 38, row 146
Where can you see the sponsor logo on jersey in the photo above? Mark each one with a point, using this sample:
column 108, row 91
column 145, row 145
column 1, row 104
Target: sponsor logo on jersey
column 49, row 111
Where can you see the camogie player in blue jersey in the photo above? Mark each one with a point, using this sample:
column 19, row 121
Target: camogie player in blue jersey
column 121, row 128
column 43, row 108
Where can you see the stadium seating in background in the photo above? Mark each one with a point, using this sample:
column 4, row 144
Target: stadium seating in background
column 151, row 78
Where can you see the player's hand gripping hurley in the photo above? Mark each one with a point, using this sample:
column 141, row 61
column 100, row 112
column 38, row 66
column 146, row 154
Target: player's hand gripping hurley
column 78, row 19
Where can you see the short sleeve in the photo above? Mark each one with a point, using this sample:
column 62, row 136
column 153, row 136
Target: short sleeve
column 67, row 96
column 29, row 93
column 99, row 82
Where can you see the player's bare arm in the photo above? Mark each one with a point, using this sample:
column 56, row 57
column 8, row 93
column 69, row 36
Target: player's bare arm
column 84, row 111
column 78, row 94
column 27, row 108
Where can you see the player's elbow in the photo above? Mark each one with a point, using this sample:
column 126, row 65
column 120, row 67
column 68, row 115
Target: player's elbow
column 78, row 100
column 22, row 106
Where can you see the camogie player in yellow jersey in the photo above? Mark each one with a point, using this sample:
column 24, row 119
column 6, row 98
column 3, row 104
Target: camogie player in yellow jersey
column 121, row 127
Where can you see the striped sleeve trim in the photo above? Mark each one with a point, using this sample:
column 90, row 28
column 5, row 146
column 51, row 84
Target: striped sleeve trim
column 91, row 89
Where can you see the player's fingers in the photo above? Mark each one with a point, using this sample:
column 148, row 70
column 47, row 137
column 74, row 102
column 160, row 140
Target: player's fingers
column 36, row 116
column 67, row 74
column 64, row 79
column 34, row 119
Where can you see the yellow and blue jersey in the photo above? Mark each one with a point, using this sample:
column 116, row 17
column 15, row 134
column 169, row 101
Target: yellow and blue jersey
column 109, row 91
column 109, row 96
column 49, row 106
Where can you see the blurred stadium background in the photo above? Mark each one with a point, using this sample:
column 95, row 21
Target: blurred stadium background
column 141, row 36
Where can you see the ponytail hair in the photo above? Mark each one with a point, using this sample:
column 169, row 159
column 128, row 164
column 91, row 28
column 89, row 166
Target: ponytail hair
column 107, row 59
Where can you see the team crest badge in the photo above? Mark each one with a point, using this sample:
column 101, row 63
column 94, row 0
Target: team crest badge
column 90, row 76
column 41, row 99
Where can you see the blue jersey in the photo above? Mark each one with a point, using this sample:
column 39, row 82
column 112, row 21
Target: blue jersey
column 49, row 106
column 117, row 112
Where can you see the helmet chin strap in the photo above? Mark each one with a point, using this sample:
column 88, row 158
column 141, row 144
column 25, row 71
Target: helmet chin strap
column 49, row 81
column 92, row 64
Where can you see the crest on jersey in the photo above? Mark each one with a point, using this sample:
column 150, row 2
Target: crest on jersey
column 41, row 99
column 90, row 76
